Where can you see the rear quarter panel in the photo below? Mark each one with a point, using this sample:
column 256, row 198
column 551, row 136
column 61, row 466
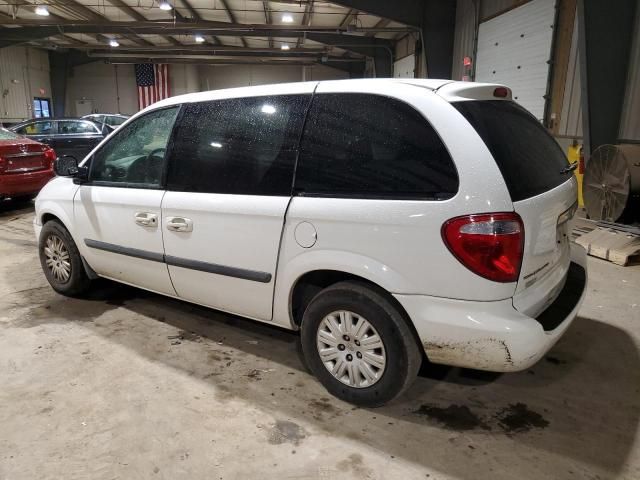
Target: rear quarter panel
column 397, row 244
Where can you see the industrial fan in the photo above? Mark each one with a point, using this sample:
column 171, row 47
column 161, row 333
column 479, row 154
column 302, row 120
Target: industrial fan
column 612, row 183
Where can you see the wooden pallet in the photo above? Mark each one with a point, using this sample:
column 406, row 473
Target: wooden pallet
column 614, row 242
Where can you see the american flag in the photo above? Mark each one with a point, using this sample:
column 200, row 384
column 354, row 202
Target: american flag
column 153, row 83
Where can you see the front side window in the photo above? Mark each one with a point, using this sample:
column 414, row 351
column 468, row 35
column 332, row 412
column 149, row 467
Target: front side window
column 135, row 155
column 241, row 145
column 370, row 146
column 36, row 128
column 74, row 127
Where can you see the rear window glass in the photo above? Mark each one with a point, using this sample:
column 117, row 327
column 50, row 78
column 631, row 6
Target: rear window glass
column 530, row 160
column 370, row 146
column 7, row 135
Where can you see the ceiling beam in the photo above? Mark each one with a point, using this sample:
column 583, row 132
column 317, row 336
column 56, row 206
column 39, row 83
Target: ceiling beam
column 348, row 18
column 267, row 18
column 230, row 49
column 195, row 16
column 306, row 21
column 232, row 18
column 187, row 54
column 93, row 15
column 382, row 23
column 212, row 26
column 380, row 50
column 409, row 12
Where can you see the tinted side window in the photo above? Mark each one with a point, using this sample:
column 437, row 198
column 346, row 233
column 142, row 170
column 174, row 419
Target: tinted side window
column 530, row 159
column 37, row 128
column 135, row 155
column 72, row 127
column 242, row 146
column 372, row 147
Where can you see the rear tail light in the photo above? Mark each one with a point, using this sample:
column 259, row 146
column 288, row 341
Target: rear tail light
column 490, row 244
column 50, row 156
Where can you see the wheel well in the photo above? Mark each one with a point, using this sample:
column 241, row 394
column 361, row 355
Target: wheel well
column 311, row 283
column 50, row 216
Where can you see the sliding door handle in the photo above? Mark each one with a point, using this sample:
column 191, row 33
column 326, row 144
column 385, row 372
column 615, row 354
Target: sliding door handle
column 146, row 219
column 179, row 224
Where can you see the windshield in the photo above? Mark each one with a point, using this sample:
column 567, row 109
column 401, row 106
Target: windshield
column 7, row 135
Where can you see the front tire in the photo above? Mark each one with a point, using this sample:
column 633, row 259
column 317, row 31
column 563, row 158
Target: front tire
column 61, row 261
column 359, row 345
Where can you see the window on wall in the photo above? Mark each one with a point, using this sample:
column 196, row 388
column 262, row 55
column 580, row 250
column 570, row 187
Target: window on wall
column 242, row 146
column 41, row 108
column 371, row 146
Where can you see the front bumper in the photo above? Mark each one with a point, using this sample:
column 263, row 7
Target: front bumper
column 495, row 336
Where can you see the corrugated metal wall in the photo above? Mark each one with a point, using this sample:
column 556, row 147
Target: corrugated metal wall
column 465, row 34
column 23, row 73
column 630, row 121
column 571, row 115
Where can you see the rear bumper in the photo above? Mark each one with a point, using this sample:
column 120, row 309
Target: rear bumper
column 15, row 184
column 495, row 336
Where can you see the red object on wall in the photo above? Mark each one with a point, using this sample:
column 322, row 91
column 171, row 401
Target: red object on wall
column 466, row 61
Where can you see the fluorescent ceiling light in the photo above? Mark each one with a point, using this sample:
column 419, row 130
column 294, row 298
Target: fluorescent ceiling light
column 42, row 10
column 266, row 108
column 284, row 47
column 287, row 18
column 164, row 5
column 199, row 39
column 113, row 43
column 216, row 144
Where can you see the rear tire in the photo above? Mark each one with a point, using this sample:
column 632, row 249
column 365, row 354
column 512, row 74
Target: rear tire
column 359, row 345
column 61, row 261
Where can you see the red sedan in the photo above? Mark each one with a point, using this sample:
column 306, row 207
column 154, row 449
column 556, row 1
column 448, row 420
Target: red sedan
column 25, row 165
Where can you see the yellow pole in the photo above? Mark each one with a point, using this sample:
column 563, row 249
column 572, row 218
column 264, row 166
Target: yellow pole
column 574, row 155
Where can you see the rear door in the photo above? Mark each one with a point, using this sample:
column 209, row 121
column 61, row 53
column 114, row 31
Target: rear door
column 229, row 185
column 542, row 188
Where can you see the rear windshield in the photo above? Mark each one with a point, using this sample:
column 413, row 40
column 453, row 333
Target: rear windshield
column 530, row 160
column 7, row 135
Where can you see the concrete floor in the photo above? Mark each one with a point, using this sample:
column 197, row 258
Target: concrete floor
column 129, row 385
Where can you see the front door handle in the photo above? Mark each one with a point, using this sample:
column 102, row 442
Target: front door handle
column 179, row 224
column 146, row 219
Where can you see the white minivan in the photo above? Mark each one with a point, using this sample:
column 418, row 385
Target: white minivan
column 389, row 220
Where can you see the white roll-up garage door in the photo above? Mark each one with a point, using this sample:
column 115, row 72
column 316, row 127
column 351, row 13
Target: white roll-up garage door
column 405, row 67
column 515, row 48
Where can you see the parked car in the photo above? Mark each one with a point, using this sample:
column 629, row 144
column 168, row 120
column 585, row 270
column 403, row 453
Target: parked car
column 67, row 136
column 25, row 165
column 386, row 219
column 111, row 119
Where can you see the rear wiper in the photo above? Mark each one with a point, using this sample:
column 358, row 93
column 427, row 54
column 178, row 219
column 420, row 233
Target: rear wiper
column 569, row 168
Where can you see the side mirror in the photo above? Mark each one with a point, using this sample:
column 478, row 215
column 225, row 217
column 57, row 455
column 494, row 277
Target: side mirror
column 67, row 166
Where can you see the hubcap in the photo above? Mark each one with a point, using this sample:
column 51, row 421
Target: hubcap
column 351, row 349
column 57, row 258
